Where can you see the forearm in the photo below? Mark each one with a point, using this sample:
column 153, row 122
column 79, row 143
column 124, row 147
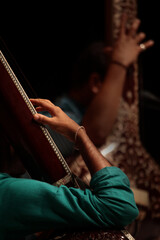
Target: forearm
column 91, row 155
column 61, row 123
column 111, row 205
column 101, row 114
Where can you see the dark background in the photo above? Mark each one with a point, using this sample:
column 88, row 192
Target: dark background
column 45, row 39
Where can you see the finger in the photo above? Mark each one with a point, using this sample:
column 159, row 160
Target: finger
column 40, row 109
column 149, row 43
column 44, row 103
column 123, row 23
column 146, row 45
column 42, row 119
column 39, row 100
column 140, row 37
column 134, row 27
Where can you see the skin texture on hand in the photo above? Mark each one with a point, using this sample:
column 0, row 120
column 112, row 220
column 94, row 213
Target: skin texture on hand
column 61, row 123
column 127, row 48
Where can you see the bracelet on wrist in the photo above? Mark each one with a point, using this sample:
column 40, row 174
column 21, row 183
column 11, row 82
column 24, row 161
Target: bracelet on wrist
column 76, row 134
column 119, row 63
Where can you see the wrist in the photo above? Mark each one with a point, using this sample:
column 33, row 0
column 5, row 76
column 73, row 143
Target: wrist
column 120, row 64
column 80, row 131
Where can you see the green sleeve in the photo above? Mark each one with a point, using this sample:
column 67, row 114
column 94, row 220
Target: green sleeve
column 32, row 206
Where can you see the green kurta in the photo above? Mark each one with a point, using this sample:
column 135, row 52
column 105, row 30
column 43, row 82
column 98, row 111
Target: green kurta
column 28, row 206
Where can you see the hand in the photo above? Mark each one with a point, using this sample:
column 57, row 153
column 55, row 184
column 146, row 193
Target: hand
column 128, row 45
column 63, row 124
column 59, row 121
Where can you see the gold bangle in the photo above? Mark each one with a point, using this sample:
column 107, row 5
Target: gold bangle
column 119, row 63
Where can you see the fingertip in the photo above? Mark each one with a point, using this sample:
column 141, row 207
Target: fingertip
column 36, row 117
column 31, row 99
column 152, row 42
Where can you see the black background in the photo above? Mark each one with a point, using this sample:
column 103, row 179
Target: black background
column 46, row 37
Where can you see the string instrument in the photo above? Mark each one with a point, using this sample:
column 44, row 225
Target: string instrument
column 128, row 152
column 32, row 142
column 36, row 148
